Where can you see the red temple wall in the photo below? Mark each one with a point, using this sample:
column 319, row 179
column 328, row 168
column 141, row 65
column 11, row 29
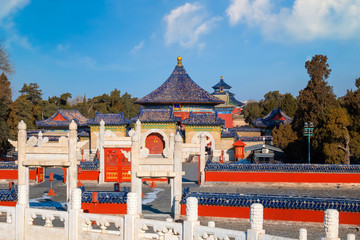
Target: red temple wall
column 289, row 177
column 228, row 119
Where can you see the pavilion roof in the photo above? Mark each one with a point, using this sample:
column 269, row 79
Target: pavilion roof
column 222, row 84
column 273, row 119
column 239, row 143
column 179, row 88
column 109, row 119
column 156, row 115
column 209, row 118
column 62, row 118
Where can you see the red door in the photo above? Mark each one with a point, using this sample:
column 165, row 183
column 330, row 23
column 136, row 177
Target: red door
column 125, row 166
column 155, row 143
column 112, row 164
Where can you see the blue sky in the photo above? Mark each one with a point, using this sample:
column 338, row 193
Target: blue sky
column 96, row 46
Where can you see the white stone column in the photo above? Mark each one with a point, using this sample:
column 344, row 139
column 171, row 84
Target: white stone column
column 138, row 130
column 172, row 142
column 101, row 151
column 23, row 183
column 178, row 175
column 202, row 158
column 131, row 216
column 303, row 234
column 256, row 222
column 191, row 221
column 74, row 214
column 331, row 225
column 22, row 204
column 72, row 170
column 136, row 183
column 23, row 172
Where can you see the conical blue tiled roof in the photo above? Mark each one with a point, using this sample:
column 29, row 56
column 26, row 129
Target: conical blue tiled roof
column 222, row 84
column 179, row 88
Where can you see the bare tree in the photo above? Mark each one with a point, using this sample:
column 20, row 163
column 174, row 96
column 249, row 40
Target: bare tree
column 5, row 64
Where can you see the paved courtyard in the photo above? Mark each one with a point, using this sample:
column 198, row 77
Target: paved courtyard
column 156, row 202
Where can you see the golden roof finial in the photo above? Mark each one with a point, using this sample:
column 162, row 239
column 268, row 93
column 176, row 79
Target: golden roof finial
column 221, row 77
column 179, row 61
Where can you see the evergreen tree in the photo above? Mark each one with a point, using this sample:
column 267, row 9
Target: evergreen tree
column 318, row 96
column 21, row 109
column 5, row 105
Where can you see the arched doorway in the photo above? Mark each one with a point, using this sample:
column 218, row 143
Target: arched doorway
column 155, row 143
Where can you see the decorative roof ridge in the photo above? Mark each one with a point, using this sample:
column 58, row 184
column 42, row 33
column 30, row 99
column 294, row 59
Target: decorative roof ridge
column 222, row 84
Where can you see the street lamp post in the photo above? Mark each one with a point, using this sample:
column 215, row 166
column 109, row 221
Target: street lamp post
column 308, row 132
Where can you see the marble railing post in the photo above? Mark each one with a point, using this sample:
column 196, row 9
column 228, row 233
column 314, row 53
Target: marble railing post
column 74, row 214
column 256, row 222
column 191, row 221
column 136, row 183
column 23, row 183
column 72, row 170
column 202, row 158
column 331, row 225
column 177, row 188
column 350, row 236
column 303, row 234
column 101, row 151
column 131, row 216
column 138, row 129
column 22, row 204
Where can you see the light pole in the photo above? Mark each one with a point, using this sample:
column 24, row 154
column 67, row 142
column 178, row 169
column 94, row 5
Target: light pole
column 308, row 132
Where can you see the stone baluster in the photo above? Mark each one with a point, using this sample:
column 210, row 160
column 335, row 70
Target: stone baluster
column 136, row 183
column 138, row 129
column 101, row 151
column 303, row 234
column 177, row 188
column 202, row 158
column 74, row 214
column 72, row 170
column 331, row 225
column 350, row 236
column 191, row 221
column 131, row 216
column 211, row 224
column 256, row 222
column 23, row 183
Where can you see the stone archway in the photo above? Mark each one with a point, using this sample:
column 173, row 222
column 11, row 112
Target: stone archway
column 209, row 137
column 158, row 135
column 155, row 143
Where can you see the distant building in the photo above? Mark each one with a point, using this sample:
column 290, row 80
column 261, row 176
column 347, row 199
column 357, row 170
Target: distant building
column 230, row 106
column 273, row 119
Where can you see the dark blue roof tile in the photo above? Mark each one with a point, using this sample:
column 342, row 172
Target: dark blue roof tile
column 273, row 119
column 156, row 115
column 67, row 115
column 109, row 119
column 179, row 88
column 209, row 118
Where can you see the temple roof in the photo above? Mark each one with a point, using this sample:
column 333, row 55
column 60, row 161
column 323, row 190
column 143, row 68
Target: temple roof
column 62, row 118
column 209, row 118
column 156, row 115
column 273, row 119
column 227, row 133
column 179, row 88
column 222, row 84
column 109, row 119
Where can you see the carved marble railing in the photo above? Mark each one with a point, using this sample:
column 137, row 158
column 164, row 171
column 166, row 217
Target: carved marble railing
column 7, row 225
column 95, row 225
column 37, row 229
column 155, row 229
column 210, row 232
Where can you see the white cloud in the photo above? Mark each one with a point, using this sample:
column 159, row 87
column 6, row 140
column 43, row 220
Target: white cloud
column 7, row 9
column 10, row 6
column 62, row 47
column 186, row 24
column 137, row 47
column 304, row 20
